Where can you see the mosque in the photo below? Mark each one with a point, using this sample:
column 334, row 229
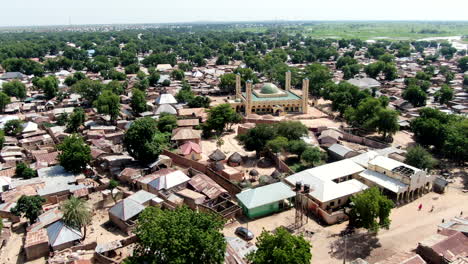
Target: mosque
column 267, row 98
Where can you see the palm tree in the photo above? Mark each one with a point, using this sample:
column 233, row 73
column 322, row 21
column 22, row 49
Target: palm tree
column 76, row 213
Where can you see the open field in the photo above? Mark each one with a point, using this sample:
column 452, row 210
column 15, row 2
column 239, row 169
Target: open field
column 397, row 30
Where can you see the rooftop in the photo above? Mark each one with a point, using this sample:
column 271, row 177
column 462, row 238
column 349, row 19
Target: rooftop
column 288, row 96
column 264, row 195
column 384, row 181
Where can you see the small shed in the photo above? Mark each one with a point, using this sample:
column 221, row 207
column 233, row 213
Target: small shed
column 124, row 213
column 190, row 150
column 62, row 236
column 235, row 159
column 217, row 155
column 339, row 152
column 265, row 200
column 440, row 184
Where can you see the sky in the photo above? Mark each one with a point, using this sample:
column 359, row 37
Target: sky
column 62, row 12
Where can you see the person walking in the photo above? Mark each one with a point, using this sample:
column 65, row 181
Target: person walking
column 432, row 209
column 420, row 207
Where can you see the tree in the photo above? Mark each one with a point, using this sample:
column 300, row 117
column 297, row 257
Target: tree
column 222, row 116
column 2, row 139
column 75, row 154
column 222, row 60
column 281, row 247
column 179, row 236
column 277, row 144
column 15, row 88
column 444, row 95
column 143, row 141
column 112, row 185
column 142, row 85
column 153, row 78
column 76, row 213
column 62, row 119
column 166, row 123
column 4, row 100
column 296, row 147
column 420, row 158
column 138, row 101
column 88, row 89
column 463, row 64
column 370, row 209
column 415, row 95
column 13, row 127
column 29, row 207
column 256, row 138
column 292, row 130
column 312, row 156
column 386, row 122
column 185, row 94
column 116, row 87
column 166, row 83
column 318, row 76
column 23, row 171
column 199, row 101
column 108, row 103
column 228, row 83
column 363, row 115
column 49, row 85
column 178, row 75
column 76, row 119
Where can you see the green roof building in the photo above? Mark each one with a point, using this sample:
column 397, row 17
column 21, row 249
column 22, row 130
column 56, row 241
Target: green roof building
column 265, row 200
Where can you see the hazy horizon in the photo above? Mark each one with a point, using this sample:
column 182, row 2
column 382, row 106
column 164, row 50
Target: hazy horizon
column 87, row 12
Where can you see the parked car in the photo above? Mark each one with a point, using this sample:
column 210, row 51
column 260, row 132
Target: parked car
column 244, row 233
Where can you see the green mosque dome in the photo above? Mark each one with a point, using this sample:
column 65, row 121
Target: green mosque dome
column 269, row 88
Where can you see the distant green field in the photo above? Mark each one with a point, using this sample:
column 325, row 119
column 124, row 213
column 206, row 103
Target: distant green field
column 371, row 30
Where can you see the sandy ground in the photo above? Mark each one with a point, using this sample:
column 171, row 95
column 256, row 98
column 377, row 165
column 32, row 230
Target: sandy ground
column 408, row 227
column 99, row 230
column 403, row 139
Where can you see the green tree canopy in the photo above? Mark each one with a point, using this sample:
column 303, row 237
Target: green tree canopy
column 75, row 154
column 256, row 138
column 49, row 85
column 143, row 141
column 167, row 123
column 138, row 101
column 415, row 95
column 313, row 156
column 370, row 209
column 13, row 127
column 420, row 158
column 88, row 89
column 444, row 95
column 277, row 144
column 281, row 247
column 29, row 207
column 108, row 103
column 179, row 236
column 76, row 119
column 15, row 88
column 221, row 117
column 318, row 75
column 228, row 83
column 4, row 100
column 23, row 171
column 292, row 130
